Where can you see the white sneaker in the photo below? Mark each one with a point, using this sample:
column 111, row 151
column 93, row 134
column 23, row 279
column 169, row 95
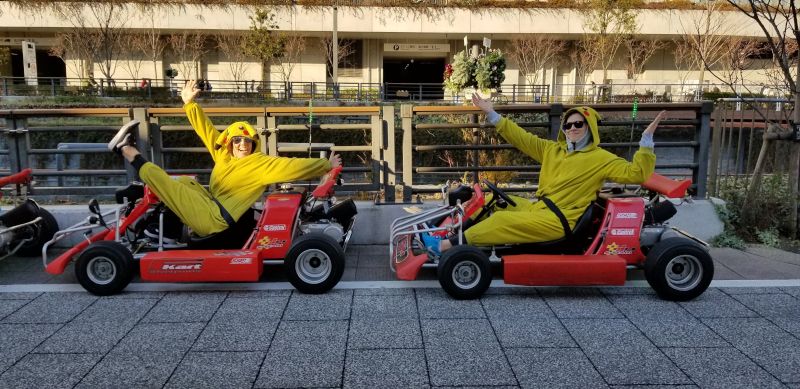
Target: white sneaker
column 152, row 233
column 123, row 137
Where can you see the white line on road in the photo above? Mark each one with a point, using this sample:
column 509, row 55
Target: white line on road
column 174, row 287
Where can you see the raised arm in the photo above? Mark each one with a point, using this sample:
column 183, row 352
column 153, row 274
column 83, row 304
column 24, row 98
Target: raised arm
column 644, row 161
column 526, row 142
column 197, row 118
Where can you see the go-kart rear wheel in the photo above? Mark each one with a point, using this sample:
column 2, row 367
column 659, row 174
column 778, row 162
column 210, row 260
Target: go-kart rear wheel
column 314, row 263
column 42, row 232
column 678, row 269
column 464, row 272
column 105, row 268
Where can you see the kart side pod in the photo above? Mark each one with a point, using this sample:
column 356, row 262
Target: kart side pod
column 564, row 270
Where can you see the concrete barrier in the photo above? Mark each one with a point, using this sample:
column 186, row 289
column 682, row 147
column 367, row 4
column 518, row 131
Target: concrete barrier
column 372, row 225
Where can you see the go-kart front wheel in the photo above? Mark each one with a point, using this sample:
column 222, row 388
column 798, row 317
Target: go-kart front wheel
column 314, row 263
column 105, row 268
column 678, row 269
column 464, row 272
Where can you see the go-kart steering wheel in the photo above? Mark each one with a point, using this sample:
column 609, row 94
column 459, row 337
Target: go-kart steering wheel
column 499, row 193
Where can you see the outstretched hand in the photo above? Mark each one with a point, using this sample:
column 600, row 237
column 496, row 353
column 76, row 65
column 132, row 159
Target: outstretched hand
column 485, row 105
column 654, row 124
column 189, row 91
column 336, row 160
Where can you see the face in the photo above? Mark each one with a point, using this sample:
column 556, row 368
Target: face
column 241, row 146
column 573, row 133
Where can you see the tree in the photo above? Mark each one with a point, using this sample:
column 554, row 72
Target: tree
column 346, row 49
column 133, row 54
column 608, row 23
column 234, row 49
column 293, row 48
column 75, row 49
column 152, row 43
column 261, row 42
column 639, row 52
column 188, row 49
column 704, row 32
column 533, row 52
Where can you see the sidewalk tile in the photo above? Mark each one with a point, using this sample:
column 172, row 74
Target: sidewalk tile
column 250, row 309
column 305, row 354
column 611, row 343
column 384, row 307
column 714, row 303
column 85, row 337
column 792, row 290
column 116, row 310
column 150, row 370
column 578, row 303
column 766, row 344
column 465, row 352
column 516, row 306
column 385, row 369
column 48, row 370
column 666, row 323
column 236, row 336
column 513, row 290
column 159, row 338
column 216, row 370
column 19, row 339
column 772, row 305
column 259, row 293
column 626, row 290
column 376, row 273
column 334, row 305
column 136, row 295
column 19, row 295
column 384, row 333
column 384, row 292
column 723, row 368
column 531, row 332
column 751, row 290
column 185, row 307
column 437, row 304
column 349, row 274
column 554, row 368
column 8, row 307
column 52, row 308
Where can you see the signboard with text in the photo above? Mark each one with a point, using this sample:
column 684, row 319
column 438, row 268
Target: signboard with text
column 418, row 47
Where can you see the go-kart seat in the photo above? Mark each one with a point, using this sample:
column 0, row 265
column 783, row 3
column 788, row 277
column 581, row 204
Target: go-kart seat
column 582, row 236
column 232, row 238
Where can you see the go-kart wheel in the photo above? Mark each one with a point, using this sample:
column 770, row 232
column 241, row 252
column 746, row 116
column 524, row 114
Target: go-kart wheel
column 678, row 269
column 314, row 263
column 105, row 268
column 464, row 272
column 499, row 193
column 42, row 232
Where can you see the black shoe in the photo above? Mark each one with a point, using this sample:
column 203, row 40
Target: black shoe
column 151, row 231
column 124, row 137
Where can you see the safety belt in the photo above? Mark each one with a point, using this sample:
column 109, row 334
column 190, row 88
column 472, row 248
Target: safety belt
column 564, row 223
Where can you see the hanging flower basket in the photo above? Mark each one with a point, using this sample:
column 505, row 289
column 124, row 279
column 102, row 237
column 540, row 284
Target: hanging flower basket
column 467, row 75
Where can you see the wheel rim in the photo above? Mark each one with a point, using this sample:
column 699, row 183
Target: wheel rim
column 683, row 272
column 101, row 270
column 313, row 266
column 466, row 274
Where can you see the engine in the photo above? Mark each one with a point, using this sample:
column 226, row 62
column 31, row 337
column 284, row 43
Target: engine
column 332, row 229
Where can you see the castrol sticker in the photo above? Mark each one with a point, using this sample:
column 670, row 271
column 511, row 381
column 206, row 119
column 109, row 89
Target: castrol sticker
column 627, row 215
column 623, row 231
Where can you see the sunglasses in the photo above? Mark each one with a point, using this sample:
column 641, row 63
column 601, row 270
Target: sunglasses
column 239, row 139
column 579, row 124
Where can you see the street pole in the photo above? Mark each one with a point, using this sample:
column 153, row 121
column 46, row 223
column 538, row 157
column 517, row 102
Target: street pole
column 335, row 46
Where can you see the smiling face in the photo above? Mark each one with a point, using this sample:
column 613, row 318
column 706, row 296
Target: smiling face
column 571, row 129
column 241, row 146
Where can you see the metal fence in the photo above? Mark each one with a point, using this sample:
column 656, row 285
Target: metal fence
column 379, row 159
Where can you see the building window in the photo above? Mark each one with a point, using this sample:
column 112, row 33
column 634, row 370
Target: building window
column 351, row 52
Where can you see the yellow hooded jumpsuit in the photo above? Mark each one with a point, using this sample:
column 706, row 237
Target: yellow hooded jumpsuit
column 571, row 179
column 235, row 184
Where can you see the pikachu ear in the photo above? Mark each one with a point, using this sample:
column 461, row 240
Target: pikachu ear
column 222, row 140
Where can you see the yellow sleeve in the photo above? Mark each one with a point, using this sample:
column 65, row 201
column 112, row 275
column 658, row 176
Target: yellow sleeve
column 526, row 142
column 283, row 169
column 202, row 126
column 636, row 172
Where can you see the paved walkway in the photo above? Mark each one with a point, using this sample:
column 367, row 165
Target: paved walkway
column 405, row 337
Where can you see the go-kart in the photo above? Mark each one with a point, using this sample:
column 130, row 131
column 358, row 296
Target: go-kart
column 25, row 228
column 307, row 232
column 616, row 232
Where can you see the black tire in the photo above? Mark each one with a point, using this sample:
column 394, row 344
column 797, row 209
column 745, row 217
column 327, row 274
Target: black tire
column 42, row 233
column 105, row 268
column 315, row 263
column 464, row 272
column 678, row 269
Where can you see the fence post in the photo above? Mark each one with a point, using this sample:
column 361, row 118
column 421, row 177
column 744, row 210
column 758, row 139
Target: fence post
column 272, row 127
column 388, row 157
column 556, row 110
column 261, row 124
column 156, row 140
column 514, row 93
column 716, row 145
column 476, row 157
column 701, row 153
column 5, row 86
column 407, row 115
column 378, row 142
column 53, row 87
column 15, row 149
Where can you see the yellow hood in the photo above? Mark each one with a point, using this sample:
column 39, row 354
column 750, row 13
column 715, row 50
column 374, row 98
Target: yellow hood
column 237, row 129
column 592, row 118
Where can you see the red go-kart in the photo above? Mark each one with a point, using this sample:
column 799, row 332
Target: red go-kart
column 615, row 233
column 307, row 232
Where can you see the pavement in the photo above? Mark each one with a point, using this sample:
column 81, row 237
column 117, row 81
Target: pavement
column 372, row 331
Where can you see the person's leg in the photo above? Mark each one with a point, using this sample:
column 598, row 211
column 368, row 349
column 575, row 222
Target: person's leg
column 538, row 225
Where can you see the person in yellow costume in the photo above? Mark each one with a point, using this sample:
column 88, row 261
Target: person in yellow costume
column 573, row 169
column 240, row 175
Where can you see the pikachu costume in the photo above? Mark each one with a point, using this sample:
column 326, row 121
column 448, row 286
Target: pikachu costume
column 235, row 184
column 571, row 179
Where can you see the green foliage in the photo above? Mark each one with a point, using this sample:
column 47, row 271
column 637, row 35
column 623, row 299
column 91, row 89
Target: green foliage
column 771, row 205
column 729, row 239
column 463, row 73
column 261, row 42
column 489, row 72
column 769, row 237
